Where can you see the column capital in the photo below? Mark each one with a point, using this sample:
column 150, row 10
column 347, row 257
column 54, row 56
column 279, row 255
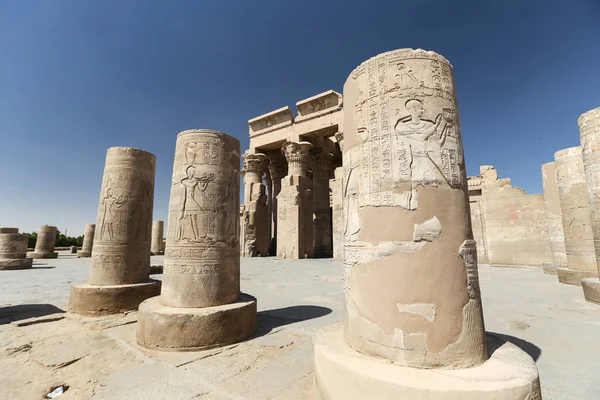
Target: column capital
column 298, row 157
column 255, row 163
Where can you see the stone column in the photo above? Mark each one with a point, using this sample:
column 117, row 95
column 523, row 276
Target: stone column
column 589, row 129
column 412, row 293
column 576, row 218
column 256, row 218
column 88, row 241
column 269, row 186
column 120, row 267
column 322, row 233
column 337, row 213
column 294, row 204
column 200, row 305
column 157, row 245
column 13, row 249
column 44, row 245
column 278, row 169
column 556, row 253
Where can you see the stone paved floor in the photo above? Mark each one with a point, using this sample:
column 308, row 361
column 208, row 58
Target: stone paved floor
column 98, row 358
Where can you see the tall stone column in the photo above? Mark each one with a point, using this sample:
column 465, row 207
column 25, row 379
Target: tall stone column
column 413, row 305
column 337, row 211
column 256, row 218
column 589, row 129
column 200, row 304
column 278, row 169
column 157, row 245
column 120, row 267
column 576, row 218
column 294, row 204
column 269, row 186
column 88, row 241
column 322, row 232
column 46, row 240
column 556, row 251
column 13, row 249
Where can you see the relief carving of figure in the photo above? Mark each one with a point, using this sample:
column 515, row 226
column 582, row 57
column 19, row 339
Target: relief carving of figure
column 141, row 216
column 192, row 209
column 425, row 140
column 110, row 204
column 351, row 189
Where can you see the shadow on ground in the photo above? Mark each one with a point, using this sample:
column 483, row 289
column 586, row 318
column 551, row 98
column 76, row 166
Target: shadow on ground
column 24, row 311
column 271, row 319
column 494, row 343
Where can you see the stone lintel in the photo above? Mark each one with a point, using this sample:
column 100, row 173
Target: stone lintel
column 322, row 103
column 271, row 121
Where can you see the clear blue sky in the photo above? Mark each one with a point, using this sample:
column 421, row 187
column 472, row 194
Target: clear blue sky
column 77, row 77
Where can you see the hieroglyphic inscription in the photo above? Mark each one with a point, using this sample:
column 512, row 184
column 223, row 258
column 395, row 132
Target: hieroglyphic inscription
column 468, row 251
column 405, row 110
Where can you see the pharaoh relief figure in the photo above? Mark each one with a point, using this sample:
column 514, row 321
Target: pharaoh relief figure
column 424, row 142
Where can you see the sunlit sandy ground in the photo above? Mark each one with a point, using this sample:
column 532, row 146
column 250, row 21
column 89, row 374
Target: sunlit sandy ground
column 98, row 358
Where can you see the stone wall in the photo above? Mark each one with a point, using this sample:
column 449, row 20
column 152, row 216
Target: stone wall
column 509, row 225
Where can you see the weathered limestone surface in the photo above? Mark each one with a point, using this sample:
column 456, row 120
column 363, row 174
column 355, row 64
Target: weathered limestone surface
column 255, row 219
column 411, row 284
column 337, row 210
column 576, row 217
column 295, row 204
column 556, row 252
column 46, row 240
column 318, row 121
column 200, row 305
column 510, row 226
column 157, row 246
column 88, row 241
column 278, row 169
column 120, row 265
column 13, row 249
column 589, row 129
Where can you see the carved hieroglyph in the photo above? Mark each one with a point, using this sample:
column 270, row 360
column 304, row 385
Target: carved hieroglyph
column 13, row 249
column 202, row 265
column 157, row 246
column 88, row 241
column 555, row 237
column 589, row 129
column 121, row 249
column 295, row 204
column 46, row 240
column 576, row 218
column 255, row 219
column 412, row 293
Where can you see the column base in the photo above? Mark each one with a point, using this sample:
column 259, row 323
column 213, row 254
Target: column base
column 574, row 276
column 43, row 255
column 84, row 254
column 157, row 253
column 16, row 263
column 345, row 374
column 591, row 289
column 550, row 268
column 92, row 300
column 190, row 329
